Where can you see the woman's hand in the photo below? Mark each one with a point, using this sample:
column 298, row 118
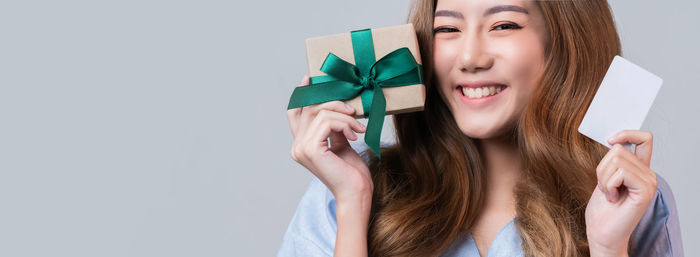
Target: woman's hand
column 339, row 167
column 626, row 186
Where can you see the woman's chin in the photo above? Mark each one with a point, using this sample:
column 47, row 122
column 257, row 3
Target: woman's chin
column 476, row 133
column 485, row 131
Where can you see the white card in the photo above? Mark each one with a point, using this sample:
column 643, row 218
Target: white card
column 622, row 101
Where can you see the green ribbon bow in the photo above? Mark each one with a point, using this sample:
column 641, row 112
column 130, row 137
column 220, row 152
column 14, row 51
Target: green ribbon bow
column 367, row 78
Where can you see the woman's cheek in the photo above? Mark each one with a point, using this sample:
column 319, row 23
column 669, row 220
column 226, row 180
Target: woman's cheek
column 442, row 58
column 526, row 59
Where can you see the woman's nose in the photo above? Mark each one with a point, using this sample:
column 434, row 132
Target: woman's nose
column 474, row 56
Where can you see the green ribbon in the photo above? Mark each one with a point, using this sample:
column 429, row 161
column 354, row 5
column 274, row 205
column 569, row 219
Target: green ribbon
column 366, row 78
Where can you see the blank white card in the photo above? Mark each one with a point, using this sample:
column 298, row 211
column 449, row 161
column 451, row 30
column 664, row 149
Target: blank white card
column 621, row 102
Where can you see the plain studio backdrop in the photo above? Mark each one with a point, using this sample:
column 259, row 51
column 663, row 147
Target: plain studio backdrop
column 158, row 128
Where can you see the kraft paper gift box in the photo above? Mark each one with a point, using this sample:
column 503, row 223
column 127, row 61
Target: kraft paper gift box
column 376, row 71
column 401, row 99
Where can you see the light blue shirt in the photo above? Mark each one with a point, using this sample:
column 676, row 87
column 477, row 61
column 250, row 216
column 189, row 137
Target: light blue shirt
column 313, row 228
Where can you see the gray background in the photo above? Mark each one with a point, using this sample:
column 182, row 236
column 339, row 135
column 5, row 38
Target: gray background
column 158, row 128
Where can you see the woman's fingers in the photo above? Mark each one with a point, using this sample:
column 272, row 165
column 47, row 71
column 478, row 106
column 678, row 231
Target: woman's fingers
column 313, row 125
column 616, row 154
column 329, row 121
column 338, row 139
column 622, row 168
column 618, row 157
column 293, row 118
column 336, row 106
column 293, row 115
column 642, row 139
column 614, row 183
column 605, row 168
column 634, row 182
column 314, row 139
column 309, row 113
column 304, row 81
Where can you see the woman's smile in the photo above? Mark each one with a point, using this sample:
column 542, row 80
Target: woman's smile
column 479, row 93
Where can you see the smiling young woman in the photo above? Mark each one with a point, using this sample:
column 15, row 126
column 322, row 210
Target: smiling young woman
column 494, row 165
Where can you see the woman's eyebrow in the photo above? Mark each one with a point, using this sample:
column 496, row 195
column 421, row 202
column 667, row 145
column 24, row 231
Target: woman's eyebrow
column 505, row 8
column 449, row 13
column 492, row 10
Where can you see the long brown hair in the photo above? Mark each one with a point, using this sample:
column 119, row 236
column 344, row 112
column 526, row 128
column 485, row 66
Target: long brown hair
column 430, row 185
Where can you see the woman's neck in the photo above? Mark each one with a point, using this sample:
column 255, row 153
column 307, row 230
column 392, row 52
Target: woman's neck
column 502, row 164
column 501, row 159
column 503, row 168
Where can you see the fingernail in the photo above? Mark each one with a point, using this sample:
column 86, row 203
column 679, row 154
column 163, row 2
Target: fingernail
column 349, row 107
column 611, row 139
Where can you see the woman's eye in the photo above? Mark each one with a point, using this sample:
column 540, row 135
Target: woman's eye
column 447, row 30
column 507, row 26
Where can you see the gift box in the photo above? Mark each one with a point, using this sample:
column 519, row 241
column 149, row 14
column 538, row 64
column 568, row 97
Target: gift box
column 377, row 71
column 408, row 98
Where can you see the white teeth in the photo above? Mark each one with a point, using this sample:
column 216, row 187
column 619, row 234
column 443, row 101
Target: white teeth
column 481, row 92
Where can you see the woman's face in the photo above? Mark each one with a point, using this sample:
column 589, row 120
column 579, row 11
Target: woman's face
column 489, row 55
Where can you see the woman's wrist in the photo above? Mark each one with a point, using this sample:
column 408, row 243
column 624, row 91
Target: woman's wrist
column 603, row 254
column 597, row 250
column 355, row 207
column 356, row 197
column 353, row 221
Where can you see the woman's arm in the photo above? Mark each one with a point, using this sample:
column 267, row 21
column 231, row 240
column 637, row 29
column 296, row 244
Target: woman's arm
column 626, row 187
column 337, row 165
column 353, row 219
column 313, row 230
